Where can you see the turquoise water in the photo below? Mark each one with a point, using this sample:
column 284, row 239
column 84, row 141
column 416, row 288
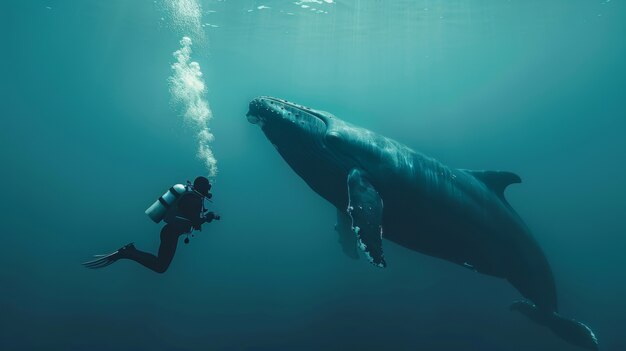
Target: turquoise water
column 91, row 137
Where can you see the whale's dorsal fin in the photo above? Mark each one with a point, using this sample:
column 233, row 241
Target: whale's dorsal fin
column 496, row 181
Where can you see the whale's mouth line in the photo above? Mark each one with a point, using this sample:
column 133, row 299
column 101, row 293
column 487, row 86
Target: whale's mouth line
column 259, row 107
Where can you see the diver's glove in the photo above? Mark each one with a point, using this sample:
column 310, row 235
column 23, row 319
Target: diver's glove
column 197, row 224
column 209, row 217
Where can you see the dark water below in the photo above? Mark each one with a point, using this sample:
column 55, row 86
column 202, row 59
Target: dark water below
column 90, row 137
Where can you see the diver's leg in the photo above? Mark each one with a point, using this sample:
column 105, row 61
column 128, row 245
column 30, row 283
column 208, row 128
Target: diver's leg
column 167, row 249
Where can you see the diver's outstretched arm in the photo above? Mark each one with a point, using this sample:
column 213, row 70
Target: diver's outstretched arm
column 102, row 261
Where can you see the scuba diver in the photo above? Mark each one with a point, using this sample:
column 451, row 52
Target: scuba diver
column 182, row 209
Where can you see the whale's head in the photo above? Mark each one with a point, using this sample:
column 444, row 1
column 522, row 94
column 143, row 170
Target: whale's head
column 286, row 123
column 300, row 134
column 321, row 148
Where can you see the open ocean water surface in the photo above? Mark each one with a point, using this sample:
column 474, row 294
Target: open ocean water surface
column 92, row 133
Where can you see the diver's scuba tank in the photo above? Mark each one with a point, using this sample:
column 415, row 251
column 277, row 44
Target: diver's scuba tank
column 162, row 206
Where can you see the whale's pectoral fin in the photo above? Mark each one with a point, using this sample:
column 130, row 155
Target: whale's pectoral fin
column 365, row 208
column 347, row 239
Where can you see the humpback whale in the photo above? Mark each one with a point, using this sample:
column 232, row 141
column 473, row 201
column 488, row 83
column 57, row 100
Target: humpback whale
column 384, row 189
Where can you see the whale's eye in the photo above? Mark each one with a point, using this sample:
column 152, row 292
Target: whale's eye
column 333, row 137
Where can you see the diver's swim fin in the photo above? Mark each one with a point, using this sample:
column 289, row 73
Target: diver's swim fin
column 102, row 261
column 570, row 330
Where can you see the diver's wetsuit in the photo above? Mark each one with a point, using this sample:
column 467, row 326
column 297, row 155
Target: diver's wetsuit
column 190, row 206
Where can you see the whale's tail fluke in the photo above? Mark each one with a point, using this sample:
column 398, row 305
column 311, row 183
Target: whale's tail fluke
column 570, row 330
